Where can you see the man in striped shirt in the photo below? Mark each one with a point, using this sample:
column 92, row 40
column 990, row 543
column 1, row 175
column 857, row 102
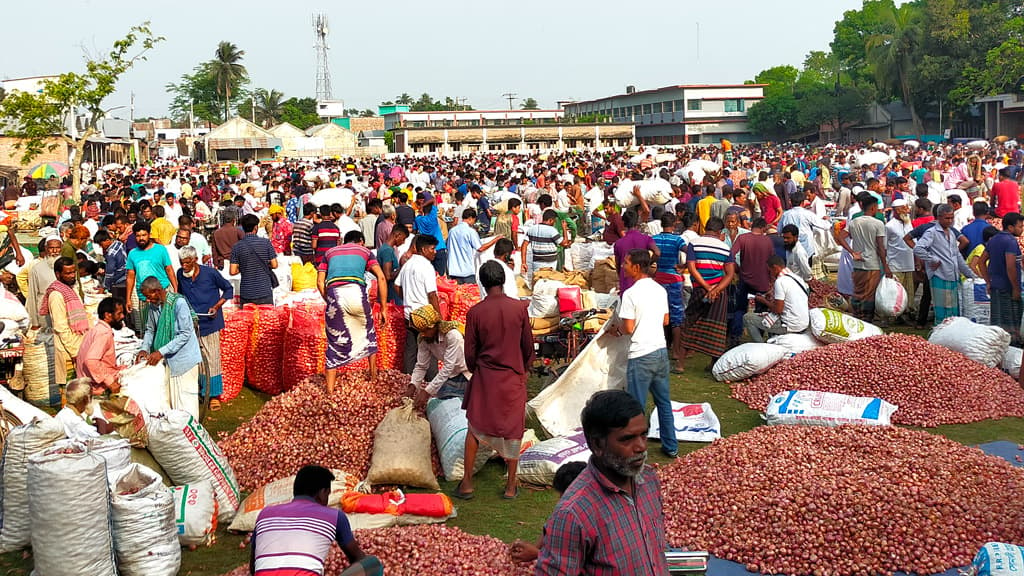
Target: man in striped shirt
column 712, row 268
column 326, row 234
column 302, row 234
column 293, row 539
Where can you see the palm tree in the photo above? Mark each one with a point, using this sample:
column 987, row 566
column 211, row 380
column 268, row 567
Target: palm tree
column 269, row 106
column 404, row 99
column 891, row 54
column 227, row 71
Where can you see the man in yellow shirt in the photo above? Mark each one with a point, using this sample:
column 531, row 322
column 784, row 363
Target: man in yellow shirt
column 704, row 207
column 161, row 228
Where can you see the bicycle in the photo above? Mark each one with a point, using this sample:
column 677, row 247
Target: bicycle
column 557, row 351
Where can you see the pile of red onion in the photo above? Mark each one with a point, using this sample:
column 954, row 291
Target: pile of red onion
column 930, row 384
column 424, row 550
column 852, row 500
column 306, row 426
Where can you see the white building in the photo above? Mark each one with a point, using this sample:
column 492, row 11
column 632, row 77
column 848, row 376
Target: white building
column 685, row 114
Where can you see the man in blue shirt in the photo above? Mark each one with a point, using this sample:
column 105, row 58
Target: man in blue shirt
column 1004, row 275
column 206, row 290
column 463, row 246
column 427, row 223
column 973, row 230
column 483, row 208
column 171, row 336
column 254, row 258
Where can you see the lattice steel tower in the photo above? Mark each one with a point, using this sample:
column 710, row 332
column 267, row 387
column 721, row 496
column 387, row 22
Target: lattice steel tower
column 323, row 70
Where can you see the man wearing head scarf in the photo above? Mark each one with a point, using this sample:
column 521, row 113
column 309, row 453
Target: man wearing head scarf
column 40, row 277
column 78, row 238
column 439, row 341
column 65, row 315
column 281, row 230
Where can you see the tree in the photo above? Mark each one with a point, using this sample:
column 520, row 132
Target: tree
column 228, row 71
column 35, row 118
column 780, row 80
column 300, row 112
column 196, row 94
column 530, row 104
column 268, row 107
column 774, row 117
column 404, row 100
column 367, row 113
column 849, row 44
column 891, row 54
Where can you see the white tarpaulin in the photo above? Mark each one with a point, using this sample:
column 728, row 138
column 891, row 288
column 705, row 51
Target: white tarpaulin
column 600, row 366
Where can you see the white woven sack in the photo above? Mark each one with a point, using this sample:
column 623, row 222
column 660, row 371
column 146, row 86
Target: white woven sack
column 747, row 360
column 145, row 535
column 1011, row 361
column 195, row 513
column 448, row 426
column 544, row 303
column 116, row 451
column 22, row 410
column 21, row 441
column 69, row 508
column 539, row 463
column 812, row 408
column 187, row 453
column 833, row 327
column 147, row 385
column 796, row 342
column 984, row 344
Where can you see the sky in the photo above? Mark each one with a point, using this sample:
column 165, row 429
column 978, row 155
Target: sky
column 479, row 50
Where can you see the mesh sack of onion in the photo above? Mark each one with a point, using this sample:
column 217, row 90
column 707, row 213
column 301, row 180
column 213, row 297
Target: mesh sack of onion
column 234, row 345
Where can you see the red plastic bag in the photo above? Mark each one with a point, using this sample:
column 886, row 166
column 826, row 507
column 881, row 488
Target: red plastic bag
column 305, row 346
column 263, row 360
column 234, row 345
column 570, row 299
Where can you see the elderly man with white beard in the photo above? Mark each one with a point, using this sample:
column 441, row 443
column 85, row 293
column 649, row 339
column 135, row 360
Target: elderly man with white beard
column 899, row 254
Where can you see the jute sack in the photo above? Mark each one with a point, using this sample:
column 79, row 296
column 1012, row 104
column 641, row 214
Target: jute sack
column 401, row 450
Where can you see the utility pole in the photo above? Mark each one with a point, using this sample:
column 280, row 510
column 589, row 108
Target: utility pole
column 131, row 109
column 460, row 102
column 510, row 96
column 252, row 102
column 191, row 118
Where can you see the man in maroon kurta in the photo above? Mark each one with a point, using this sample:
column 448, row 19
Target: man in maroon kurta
column 499, row 350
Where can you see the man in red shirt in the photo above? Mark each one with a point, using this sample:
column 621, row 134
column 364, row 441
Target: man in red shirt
column 610, row 519
column 1006, row 194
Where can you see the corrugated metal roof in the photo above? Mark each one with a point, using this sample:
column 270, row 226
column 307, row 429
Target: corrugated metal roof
column 243, row 143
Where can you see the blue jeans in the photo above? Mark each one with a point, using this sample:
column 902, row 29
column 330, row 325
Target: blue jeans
column 650, row 372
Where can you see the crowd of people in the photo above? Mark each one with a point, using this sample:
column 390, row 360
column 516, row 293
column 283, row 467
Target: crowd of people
column 156, row 252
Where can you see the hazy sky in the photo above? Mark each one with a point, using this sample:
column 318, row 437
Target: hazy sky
column 548, row 50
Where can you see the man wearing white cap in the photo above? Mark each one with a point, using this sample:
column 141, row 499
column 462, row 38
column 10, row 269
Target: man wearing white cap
column 899, row 254
column 40, row 278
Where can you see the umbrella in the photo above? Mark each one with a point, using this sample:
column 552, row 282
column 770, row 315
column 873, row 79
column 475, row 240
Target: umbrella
column 47, row 169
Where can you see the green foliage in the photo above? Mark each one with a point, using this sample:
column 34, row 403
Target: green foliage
column 780, row 80
column 200, row 91
column 530, row 104
column 35, row 118
column 592, row 118
column 389, row 140
column 300, row 112
column 774, row 117
column 227, row 71
column 269, row 107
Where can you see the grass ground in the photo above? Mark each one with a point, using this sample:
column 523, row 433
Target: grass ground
column 524, row 518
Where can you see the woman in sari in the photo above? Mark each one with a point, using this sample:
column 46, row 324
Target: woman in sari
column 351, row 331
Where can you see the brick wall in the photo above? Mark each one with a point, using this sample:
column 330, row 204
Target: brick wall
column 358, row 125
column 11, row 156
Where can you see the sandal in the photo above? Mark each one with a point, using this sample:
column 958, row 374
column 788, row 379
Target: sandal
column 455, row 493
column 512, row 497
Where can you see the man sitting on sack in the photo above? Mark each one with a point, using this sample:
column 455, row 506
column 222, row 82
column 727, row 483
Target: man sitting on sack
column 80, row 421
column 171, row 335
column 788, row 308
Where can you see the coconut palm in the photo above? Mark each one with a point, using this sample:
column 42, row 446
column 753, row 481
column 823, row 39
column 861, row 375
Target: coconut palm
column 269, row 107
column 227, row 71
column 891, row 53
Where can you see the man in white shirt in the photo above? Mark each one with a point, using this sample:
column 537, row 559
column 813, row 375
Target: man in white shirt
column 962, row 215
column 503, row 250
column 796, row 258
column 806, row 221
column 644, row 315
column 417, row 286
column 75, row 417
column 788, row 309
column 899, row 254
column 439, row 342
